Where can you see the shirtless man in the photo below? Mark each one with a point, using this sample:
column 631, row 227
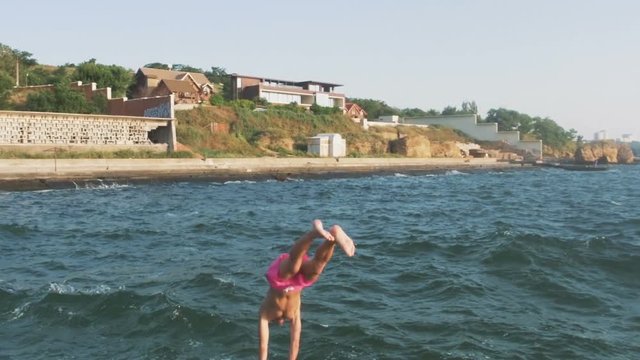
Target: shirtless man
column 289, row 274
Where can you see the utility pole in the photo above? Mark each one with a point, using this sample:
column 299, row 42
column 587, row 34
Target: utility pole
column 17, row 72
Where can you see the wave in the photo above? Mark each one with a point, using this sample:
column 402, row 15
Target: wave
column 66, row 305
column 566, row 272
column 99, row 184
column 232, row 182
column 455, row 172
column 14, row 230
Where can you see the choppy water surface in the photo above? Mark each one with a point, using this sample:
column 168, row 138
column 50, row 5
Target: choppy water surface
column 539, row 264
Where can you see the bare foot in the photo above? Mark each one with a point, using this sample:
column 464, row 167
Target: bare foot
column 343, row 240
column 319, row 229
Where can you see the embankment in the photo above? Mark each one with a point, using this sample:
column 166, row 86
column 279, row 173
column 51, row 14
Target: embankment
column 31, row 174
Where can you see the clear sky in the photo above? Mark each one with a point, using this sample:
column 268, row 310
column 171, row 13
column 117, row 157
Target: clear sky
column 574, row 61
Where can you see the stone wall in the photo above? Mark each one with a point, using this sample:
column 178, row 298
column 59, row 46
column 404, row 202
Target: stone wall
column 156, row 107
column 37, row 128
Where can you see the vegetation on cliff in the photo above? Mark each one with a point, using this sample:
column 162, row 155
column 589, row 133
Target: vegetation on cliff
column 235, row 130
column 557, row 141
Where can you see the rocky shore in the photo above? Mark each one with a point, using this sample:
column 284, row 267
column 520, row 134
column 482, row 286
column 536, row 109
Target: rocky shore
column 37, row 174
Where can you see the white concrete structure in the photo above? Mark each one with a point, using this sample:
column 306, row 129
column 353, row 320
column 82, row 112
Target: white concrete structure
column 627, row 138
column 327, row 145
column 469, row 125
column 600, row 135
column 318, row 145
column 22, row 128
column 394, row 119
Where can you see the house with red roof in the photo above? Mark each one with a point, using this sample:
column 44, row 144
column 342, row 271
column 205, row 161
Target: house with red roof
column 188, row 87
column 355, row 112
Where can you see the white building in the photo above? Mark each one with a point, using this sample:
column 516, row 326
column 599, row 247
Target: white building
column 283, row 92
column 600, row 135
column 327, row 145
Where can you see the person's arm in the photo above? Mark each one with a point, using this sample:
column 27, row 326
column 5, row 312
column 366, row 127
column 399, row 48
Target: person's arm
column 263, row 334
column 296, row 330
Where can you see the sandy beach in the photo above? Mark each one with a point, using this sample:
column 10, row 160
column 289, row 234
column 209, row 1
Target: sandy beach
column 33, row 174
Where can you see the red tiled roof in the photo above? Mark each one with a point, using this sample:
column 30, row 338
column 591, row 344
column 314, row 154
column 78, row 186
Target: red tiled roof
column 178, row 86
column 198, row 78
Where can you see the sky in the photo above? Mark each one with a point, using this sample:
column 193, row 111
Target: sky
column 574, row 61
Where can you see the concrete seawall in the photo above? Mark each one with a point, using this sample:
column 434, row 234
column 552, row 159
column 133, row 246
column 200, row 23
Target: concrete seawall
column 47, row 173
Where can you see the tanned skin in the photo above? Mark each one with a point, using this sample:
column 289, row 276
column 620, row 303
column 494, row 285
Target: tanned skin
column 279, row 306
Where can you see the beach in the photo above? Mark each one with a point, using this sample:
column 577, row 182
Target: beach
column 34, row 174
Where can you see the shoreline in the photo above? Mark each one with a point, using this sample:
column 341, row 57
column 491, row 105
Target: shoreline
column 41, row 174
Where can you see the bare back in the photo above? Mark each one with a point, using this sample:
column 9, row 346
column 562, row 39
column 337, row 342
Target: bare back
column 278, row 305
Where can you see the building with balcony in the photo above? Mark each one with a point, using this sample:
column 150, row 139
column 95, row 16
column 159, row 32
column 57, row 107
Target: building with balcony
column 274, row 91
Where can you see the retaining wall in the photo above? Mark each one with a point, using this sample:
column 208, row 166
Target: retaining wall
column 47, row 129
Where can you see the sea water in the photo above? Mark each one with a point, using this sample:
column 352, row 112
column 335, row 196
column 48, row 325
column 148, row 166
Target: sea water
column 527, row 264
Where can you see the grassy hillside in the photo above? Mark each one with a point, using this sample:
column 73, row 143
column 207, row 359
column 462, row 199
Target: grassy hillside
column 236, row 132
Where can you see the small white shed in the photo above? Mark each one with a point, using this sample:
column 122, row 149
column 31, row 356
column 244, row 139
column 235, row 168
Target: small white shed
column 327, row 145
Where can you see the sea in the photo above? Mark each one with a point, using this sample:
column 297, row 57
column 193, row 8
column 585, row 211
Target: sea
column 532, row 263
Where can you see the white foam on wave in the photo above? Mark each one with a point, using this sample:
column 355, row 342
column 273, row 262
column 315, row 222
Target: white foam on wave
column 101, row 185
column 18, row 312
column 66, row 289
column 294, row 179
column 225, row 281
column 43, row 191
column 616, row 203
column 239, row 182
column 194, row 343
column 455, row 172
column 400, row 175
column 61, row 288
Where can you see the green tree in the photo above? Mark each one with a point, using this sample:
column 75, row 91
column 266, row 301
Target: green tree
column 413, row 112
column 375, row 108
column 511, row 120
column 469, row 107
column 466, row 108
column 6, row 86
column 10, row 56
column 186, row 68
column 116, row 77
column 545, row 129
column 157, row 65
column 216, row 100
column 450, row 110
column 218, row 75
column 324, row 110
column 42, row 101
column 66, row 100
column 553, row 134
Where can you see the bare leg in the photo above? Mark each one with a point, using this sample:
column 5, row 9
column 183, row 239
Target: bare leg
column 291, row 266
column 343, row 240
column 314, row 267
